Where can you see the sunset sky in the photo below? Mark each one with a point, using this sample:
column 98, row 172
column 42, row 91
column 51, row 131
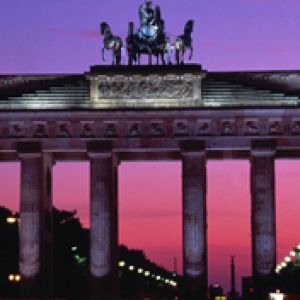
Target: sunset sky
column 61, row 36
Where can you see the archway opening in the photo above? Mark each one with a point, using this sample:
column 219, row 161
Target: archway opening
column 287, row 206
column 70, row 234
column 9, row 228
column 150, row 214
column 229, row 228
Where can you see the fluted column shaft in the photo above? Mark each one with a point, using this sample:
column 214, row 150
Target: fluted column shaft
column 263, row 218
column 194, row 224
column 103, row 235
column 35, row 232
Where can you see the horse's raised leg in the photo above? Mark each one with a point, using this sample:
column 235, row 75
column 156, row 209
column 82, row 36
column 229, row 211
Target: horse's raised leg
column 191, row 53
column 103, row 58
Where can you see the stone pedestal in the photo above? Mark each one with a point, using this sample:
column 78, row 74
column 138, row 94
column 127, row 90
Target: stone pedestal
column 35, row 233
column 194, row 224
column 103, row 236
column 263, row 218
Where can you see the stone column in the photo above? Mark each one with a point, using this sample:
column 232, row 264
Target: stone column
column 103, row 235
column 194, row 224
column 35, row 233
column 263, row 218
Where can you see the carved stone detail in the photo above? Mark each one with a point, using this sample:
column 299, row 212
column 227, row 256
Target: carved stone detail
column 295, row 127
column 204, row 127
column 134, row 129
column 181, row 128
column 157, row 129
column 275, row 126
column 228, row 127
column 145, row 88
column 63, row 130
column 17, row 130
column 251, row 127
column 110, row 129
column 87, row 130
column 40, row 130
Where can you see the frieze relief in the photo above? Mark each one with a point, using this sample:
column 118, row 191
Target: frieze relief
column 275, row 127
column 251, row 127
column 87, row 130
column 295, row 127
column 63, row 130
column 159, row 128
column 146, row 88
column 204, row 127
column 228, row 127
column 17, row 130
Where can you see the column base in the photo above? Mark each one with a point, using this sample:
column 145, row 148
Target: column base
column 30, row 288
column 104, row 288
column 263, row 285
column 195, row 289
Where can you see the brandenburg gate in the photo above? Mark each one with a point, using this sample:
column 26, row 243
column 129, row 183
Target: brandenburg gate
column 110, row 114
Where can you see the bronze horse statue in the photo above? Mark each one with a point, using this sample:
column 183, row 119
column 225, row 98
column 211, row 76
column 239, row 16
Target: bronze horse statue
column 184, row 42
column 111, row 42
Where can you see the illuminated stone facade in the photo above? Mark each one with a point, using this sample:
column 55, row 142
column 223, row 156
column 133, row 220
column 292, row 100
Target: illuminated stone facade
column 152, row 113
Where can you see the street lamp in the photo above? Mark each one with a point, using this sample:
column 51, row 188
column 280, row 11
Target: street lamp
column 12, row 220
column 14, row 278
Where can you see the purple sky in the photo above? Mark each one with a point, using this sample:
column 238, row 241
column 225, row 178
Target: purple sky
column 61, row 36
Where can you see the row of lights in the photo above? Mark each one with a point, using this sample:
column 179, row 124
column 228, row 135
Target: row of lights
column 287, row 259
column 14, row 277
column 146, row 273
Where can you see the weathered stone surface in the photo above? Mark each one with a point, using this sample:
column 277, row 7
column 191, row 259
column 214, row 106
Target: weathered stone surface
column 263, row 217
column 194, row 223
column 103, row 244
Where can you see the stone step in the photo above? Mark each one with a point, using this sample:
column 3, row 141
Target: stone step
column 57, row 95
column 60, row 99
column 240, row 93
column 55, row 88
column 246, row 96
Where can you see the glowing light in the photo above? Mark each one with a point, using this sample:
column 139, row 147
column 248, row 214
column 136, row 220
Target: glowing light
column 276, row 296
column 292, row 253
column 131, row 268
column 11, row 220
column 74, row 248
column 17, row 277
column 287, row 259
column 173, row 283
column 122, row 263
column 11, row 277
column 147, row 273
column 167, row 281
column 283, row 264
column 158, row 277
column 140, row 270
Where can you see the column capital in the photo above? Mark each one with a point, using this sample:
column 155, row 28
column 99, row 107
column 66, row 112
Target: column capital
column 263, row 148
column 193, row 148
column 29, row 150
column 99, row 149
